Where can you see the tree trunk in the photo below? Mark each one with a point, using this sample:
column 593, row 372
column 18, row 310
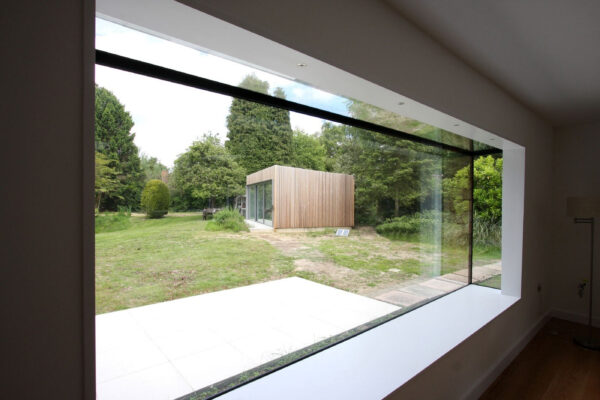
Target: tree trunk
column 99, row 197
column 396, row 206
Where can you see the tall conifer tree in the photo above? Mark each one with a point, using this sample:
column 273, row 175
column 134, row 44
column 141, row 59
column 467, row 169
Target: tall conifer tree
column 114, row 140
column 259, row 135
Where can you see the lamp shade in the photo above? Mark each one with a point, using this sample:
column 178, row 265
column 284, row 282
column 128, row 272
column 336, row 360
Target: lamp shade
column 583, row 207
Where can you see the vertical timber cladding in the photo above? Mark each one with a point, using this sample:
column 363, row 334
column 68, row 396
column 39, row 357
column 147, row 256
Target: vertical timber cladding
column 305, row 198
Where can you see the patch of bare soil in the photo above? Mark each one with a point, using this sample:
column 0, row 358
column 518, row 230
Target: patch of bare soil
column 327, row 271
column 291, row 245
column 307, row 258
column 222, row 235
column 387, row 285
column 366, row 232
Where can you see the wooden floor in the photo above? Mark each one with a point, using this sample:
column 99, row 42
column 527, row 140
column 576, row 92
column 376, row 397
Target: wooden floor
column 551, row 367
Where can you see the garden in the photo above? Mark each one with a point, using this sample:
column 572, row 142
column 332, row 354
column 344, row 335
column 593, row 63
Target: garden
column 412, row 206
column 142, row 261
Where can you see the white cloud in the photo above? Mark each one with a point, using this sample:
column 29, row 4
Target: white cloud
column 321, row 95
column 167, row 117
column 305, row 123
column 298, row 92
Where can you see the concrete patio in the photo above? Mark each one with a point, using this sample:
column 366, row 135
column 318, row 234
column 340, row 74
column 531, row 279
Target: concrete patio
column 255, row 226
column 166, row 350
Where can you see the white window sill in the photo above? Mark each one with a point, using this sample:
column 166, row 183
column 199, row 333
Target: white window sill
column 377, row 362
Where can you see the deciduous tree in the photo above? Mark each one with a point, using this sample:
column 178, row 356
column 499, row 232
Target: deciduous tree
column 151, row 168
column 307, row 152
column 487, row 189
column 207, row 174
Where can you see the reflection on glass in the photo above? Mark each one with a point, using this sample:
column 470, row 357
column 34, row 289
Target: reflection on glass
column 268, row 219
column 409, row 244
column 114, row 38
column 260, row 203
column 251, row 202
column 487, row 221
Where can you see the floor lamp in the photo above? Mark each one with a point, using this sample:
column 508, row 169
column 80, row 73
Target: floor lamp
column 584, row 210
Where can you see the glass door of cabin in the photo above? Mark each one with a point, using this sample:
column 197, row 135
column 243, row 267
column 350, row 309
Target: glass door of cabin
column 251, row 202
column 268, row 203
column 260, row 202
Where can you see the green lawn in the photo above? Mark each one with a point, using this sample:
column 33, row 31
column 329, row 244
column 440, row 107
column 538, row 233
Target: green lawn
column 381, row 255
column 174, row 257
column 143, row 261
column 493, row 282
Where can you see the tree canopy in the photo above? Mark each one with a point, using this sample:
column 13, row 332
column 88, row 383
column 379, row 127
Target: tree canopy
column 206, row 173
column 307, row 152
column 258, row 135
column 151, row 168
column 393, row 176
column 106, row 182
column 114, row 140
column 487, row 189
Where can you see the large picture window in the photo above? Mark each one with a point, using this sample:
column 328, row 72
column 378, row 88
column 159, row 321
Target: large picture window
column 238, row 231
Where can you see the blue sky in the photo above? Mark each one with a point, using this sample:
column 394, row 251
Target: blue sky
column 168, row 117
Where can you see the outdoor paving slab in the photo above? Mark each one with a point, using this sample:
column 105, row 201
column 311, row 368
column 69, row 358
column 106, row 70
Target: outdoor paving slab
column 458, row 277
column 183, row 343
column 442, row 284
column 200, row 340
column 497, row 266
column 117, row 329
column 304, row 330
column 255, row 226
column 127, row 358
column 422, row 290
column 481, row 273
column 400, row 297
column 210, row 366
column 156, row 383
column 266, row 345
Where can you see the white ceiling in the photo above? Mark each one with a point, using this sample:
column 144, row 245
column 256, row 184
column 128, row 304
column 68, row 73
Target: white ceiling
column 546, row 53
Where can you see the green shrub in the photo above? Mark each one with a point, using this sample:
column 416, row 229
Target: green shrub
column 125, row 210
column 227, row 220
column 155, row 199
column 486, row 233
column 408, row 225
column 422, row 227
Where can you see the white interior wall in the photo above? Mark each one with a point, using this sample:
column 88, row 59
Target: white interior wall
column 368, row 39
column 576, row 173
column 44, row 285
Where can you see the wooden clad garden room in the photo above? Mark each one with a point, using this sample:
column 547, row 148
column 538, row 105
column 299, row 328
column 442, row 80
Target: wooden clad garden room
column 290, row 198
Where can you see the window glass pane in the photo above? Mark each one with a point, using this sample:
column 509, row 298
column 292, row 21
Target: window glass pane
column 268, row 203
column 251, row 202
column 260, row 205
column 361, row 227
column 487, row 221
column 130, row 43
column 407, row 206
